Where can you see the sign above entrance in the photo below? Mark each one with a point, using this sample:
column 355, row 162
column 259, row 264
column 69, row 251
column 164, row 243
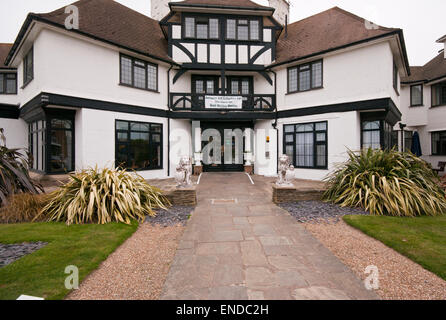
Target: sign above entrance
column 224, row 102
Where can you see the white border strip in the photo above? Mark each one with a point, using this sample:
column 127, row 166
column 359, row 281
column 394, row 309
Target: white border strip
column 252, row 182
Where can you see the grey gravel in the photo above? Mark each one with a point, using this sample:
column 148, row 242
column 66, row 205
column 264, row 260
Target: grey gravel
column 12, row 252
column 318, row 211
column 174, row 215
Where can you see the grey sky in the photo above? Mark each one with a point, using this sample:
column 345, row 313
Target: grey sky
column 423, row 22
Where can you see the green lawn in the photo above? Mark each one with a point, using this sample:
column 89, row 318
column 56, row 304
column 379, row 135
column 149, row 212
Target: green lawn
column 42, row 273
column 421, row 239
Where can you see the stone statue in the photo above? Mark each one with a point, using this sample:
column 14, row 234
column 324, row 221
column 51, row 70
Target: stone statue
column 183, row 172
column 286, row 172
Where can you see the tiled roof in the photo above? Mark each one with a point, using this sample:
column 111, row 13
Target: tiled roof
column 434, row 69
column 110, row 21
column 327, row 30
column 223, row 3
column 4, row 50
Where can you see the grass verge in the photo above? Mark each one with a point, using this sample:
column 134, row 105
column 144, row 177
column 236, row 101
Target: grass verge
column 42, row 273
column 421, row 239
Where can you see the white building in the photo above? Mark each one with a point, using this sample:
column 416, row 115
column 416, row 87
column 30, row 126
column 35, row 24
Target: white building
column 423, row 104
column 128, row 90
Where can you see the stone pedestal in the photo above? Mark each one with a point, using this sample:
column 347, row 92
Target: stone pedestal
column 198, row 170
column 249, row 170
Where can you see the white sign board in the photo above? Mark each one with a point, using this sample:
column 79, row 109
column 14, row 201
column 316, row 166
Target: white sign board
column 223, row 102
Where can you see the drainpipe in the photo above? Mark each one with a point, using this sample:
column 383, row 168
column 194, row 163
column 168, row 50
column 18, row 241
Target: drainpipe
column 168, row 120
column 275, row 122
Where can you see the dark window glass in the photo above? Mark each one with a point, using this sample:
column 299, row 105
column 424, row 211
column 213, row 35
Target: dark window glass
column 306, row 144
column 138, row 145
column 439, row 94
column 28, row 67
column 2, row 83
column 139, row 74
column 8, row 83
column 395, row 76
column 213, row 29
column 408, row 137
column 439, row 143
column 416, row 95
column 305, row 77
column 189, row 28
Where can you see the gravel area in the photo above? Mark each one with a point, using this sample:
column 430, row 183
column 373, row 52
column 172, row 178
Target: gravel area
column 12, row 252
column 174, row 215
column 137, row 270
column 399, row 277
column 318, row 211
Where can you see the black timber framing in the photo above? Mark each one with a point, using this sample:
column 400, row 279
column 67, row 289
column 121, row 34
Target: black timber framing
column 9, row 111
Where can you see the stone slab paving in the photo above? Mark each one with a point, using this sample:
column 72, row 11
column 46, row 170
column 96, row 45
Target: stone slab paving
column 252, row 249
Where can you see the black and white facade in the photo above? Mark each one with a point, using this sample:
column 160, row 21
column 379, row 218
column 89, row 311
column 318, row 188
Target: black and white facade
column 83, row 100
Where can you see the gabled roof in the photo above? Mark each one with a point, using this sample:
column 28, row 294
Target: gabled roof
column 111, row 22
column 4, row 50
column 235, row 4
column 329, row 30
column 433, row 70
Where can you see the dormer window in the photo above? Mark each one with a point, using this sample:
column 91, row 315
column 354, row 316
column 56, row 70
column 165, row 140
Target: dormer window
column 201, row 28
column 243, row 29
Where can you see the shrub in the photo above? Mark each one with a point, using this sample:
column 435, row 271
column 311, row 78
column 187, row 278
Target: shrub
column 102, row 196
column 386, row 183
column 23, row 207
column 14, row 174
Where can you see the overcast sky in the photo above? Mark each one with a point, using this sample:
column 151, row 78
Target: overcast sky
column 423, row 22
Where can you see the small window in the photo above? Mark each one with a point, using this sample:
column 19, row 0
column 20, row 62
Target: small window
column 213, row 29
column 408, row 138
column 189, row 27
column 416, row 95
column 243, row 29
column 138, row 74
column 439, row 94
column 306, row 144
column 8, row 83
column 439, row 143
column 202, row 31
column 28, row 67
column 395, row 77
column 305, row 77
column 371, row 134
column 138, row 145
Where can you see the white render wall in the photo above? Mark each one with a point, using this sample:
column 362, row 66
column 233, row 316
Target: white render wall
column 16, row 133
column 180, row 142
column 71, row 66
column 95, row 139
column 361, row 74
column 344, row 132
column 264, row 165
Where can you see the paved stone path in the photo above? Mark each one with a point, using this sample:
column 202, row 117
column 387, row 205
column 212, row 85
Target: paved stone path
column 239, row 245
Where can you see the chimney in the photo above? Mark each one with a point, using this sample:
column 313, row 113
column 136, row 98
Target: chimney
column 282, row 10
column 159, row 9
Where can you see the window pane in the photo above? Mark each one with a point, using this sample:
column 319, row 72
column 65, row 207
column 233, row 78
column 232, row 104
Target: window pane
column 210, row 87
column 305, row 127
column 190, row 27
column 416, row 92
column 245, row 87
column 152, row 81
column 242, row 32
column 140, row 77
column 254, row 32
column 61, row 151
column 289, row 151
column 371, row 139
column 2, row 83
column 213, row 28
column 317, row 75
column 289, row 138
column 304, row 149
column 122, row 136
column 371, row 125
column 199, row 87
column 321, row 126
column 202, row 31
column 144, row 127
column 289, row 128
column 122, row 125
column 304, row 80
column 155, row 128
column 122, row 155
column 126, row 70
column 230, row 29
column 11, row 85
column 234, row 87
column 292, row 80
column 321, row 137
column 156, row 138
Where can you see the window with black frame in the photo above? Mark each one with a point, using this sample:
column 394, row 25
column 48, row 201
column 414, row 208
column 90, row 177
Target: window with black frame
column 8, row 83
column 305, row 77
column 61, row 146
column 138, row 74
column 28, row 67
column 243, row 29
column 438, row 143
column 408, row 138
column 439, row 94
column 306, row 144
column 37, row 145
column 138, row 145
column 371, row 134
column 201, row 28
column 416, row 95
